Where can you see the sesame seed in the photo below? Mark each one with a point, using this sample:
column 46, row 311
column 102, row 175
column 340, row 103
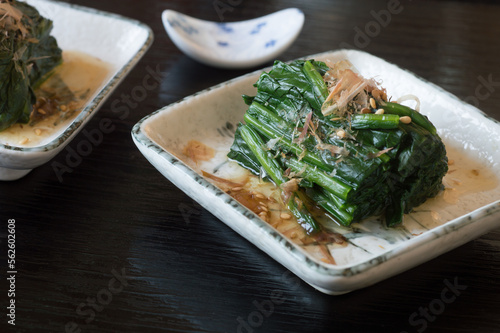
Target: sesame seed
column 366, row 110
column 376, row 93
column 38, row 131
column 63, row 108
column 405, row 119
column 272, row 200
column 341, row 133
column 42, row 111
column 285, row 216
column 24, row 141
column 263, row 215
column 260, row 196
column 236, row 189
column 263, row 208
column 380, row 111
column 373, row 104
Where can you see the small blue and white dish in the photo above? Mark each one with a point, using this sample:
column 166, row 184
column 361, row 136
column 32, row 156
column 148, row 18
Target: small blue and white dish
column 234, row 45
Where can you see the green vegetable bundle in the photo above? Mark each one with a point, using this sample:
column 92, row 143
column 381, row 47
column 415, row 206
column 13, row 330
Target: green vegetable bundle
column 350, row 163
column 28, row 53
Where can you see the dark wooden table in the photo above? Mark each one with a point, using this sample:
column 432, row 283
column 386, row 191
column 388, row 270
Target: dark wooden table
column 115, row 247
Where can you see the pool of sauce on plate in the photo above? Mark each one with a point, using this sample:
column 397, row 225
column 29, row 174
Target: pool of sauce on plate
column 465, row 176
column 198, row 151
column 264, row 199
column 468, row 185
column 59, row 99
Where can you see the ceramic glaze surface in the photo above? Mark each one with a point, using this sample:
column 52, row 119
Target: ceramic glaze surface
column 237, row 44
column 373, row 253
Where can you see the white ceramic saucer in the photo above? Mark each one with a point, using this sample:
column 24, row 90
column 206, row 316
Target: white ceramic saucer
column 234, row 45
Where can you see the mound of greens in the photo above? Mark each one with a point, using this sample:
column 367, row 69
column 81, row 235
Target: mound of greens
column 328, row 137
column 28, row 53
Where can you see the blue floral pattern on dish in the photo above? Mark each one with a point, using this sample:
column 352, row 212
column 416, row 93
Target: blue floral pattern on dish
column 226, row 28
column 181, row 23
column 271, row 43
column 258, row 28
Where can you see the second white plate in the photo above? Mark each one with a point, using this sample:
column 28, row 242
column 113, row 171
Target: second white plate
column 118, row 41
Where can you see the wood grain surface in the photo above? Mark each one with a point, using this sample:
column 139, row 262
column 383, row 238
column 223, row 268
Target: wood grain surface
column 115, row 247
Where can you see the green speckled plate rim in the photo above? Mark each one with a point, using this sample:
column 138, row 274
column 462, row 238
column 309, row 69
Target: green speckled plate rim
column 103, row 94
column 301, row 255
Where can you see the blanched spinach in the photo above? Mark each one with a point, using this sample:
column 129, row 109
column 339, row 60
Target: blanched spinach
column 378, row 166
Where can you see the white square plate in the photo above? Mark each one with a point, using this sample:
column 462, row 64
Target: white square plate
column 114, row 39
column 373, row 253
